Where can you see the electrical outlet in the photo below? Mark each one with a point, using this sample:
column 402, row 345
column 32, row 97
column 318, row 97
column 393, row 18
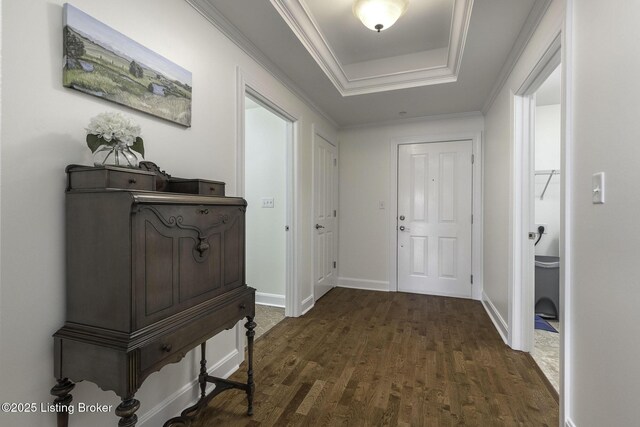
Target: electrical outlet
column 267, row 202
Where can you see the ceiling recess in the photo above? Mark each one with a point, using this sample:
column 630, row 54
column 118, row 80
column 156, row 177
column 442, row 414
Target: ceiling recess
column 428, row 67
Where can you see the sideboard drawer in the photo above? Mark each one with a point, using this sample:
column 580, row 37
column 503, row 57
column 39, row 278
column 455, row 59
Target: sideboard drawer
column 131, row 181
column 202, row 187
column 84, row 177
column 175, row 345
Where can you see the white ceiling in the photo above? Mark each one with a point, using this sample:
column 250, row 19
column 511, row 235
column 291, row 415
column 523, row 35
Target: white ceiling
column 250, row 104
column 550, row 93
column 392, row 65
column 425, row 26
column 493, row 30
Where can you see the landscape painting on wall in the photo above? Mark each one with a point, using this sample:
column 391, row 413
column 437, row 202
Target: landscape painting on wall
column 100, row 61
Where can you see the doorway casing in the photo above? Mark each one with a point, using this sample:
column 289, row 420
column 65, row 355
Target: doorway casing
column 247, row 86
column 521, row 249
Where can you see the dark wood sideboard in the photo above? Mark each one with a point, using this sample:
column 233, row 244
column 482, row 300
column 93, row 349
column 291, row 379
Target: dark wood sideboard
column 150, row 275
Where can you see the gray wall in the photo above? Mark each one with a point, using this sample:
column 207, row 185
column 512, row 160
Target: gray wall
column 606, row 238
column 43, row 131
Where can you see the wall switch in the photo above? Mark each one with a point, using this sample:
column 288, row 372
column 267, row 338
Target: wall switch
column 597, row 190
column 267, row 202
column 381, row 204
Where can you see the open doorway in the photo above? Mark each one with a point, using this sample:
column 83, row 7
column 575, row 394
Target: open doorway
column 265, row 189
column 547, row 203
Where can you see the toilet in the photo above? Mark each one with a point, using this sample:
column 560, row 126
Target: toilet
column 547, row 295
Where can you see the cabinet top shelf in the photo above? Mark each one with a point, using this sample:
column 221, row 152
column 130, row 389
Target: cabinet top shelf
column 151, row 179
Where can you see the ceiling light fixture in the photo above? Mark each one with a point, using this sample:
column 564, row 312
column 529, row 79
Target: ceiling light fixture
column 378, row 15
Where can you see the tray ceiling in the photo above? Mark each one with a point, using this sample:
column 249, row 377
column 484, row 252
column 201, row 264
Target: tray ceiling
column 424, row 47
column 425, row 26
column 497, row 33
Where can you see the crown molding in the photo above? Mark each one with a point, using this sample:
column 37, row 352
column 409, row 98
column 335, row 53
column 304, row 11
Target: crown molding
column 218, row 20
column 530, row 26
column 434, row 117
column 299, row 18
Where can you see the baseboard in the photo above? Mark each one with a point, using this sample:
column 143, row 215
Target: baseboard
column 188, row 394
column 569, row 423
column 307, row 304
column 495, row 317
column 365, row 284
column 274, row 300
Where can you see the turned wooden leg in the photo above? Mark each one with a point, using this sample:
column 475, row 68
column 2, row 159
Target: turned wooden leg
column 250, row 325
column 63, row 399
column 126, row 410
column 203, row 370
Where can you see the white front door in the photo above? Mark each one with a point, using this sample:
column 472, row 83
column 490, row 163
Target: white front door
column 434, row 218
column 325, row 196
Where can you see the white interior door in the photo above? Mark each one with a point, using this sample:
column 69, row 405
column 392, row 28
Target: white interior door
column 325, row 196
column 434, row 218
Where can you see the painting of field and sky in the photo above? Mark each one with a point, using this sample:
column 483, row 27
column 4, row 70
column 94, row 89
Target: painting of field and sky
column 103, row 62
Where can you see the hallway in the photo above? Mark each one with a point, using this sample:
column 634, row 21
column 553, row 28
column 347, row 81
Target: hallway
column 374, row 358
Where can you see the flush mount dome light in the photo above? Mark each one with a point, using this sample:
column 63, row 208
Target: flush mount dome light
column 379, row 15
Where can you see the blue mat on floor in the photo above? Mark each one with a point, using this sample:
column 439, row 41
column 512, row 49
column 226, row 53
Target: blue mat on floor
column 543, row 325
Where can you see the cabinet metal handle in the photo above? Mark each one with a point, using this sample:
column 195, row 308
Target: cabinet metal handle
column 202, row 246
column 203, row 211
column 318, row 226
column 132, row 181
column 212, row 188
column 243, row 306
column 167, row 348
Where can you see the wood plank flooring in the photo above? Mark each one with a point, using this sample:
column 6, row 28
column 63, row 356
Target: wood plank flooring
column 363, row 358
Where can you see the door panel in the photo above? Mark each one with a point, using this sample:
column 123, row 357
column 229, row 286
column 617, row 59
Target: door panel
column 325, row 222
column 434, row 218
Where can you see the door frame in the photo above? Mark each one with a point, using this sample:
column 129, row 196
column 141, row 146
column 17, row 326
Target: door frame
column 521, row 283
column 521, row 273
column 476, row 205
column 316, row 132
column 260, row 90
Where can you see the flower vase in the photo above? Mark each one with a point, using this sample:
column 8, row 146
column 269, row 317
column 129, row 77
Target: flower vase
column 118, row 154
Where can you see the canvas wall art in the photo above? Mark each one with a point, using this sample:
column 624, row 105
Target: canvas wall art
column 100, row 61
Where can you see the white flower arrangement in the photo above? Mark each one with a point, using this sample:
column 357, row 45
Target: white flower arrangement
column 113, row 129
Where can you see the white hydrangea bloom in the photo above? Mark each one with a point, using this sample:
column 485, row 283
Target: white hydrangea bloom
column 114, row 127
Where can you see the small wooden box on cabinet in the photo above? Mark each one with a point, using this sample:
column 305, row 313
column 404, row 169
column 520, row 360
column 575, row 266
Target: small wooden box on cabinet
column 196, row 186
column 88, row 177
column 150, row 276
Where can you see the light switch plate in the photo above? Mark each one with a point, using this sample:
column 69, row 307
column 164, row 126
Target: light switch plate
column 597, row 188
column 267, row 202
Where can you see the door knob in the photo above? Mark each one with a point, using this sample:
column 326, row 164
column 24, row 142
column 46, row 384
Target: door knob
column 318, row 226
column 402, row 228
column 401, row 218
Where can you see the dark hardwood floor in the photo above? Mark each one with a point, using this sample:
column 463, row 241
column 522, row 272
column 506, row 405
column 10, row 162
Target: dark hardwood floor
column 373, row 358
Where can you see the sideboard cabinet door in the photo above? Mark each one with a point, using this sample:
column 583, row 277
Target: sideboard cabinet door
column 184, row 256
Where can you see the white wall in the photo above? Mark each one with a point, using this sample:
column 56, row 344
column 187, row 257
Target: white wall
column 265, row 169
column 606, row 238
column 497, row 164
column 43, row 131
column 547, row 157
column 364, row 183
